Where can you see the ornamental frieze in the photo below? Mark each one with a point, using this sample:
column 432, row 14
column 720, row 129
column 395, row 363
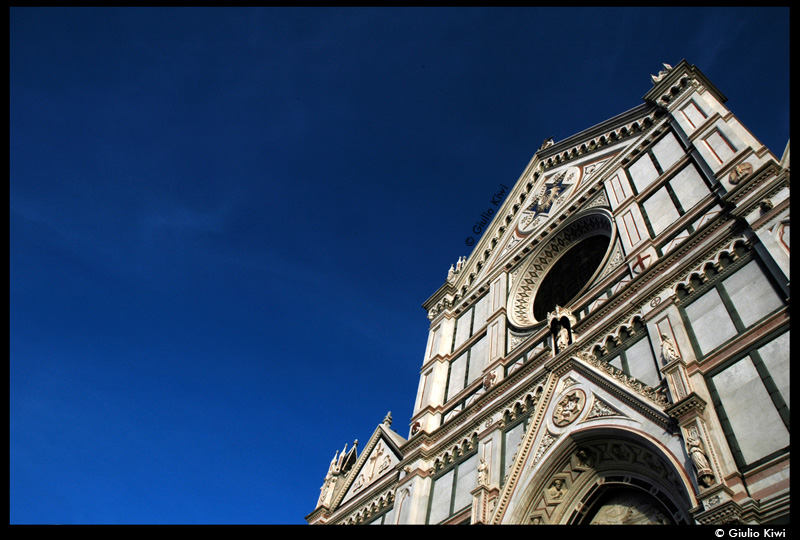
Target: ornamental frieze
column 656, row 395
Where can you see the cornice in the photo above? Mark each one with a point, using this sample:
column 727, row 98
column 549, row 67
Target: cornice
column 690, row 404
column 648, row 401
column 474, row 416
column 373, row 500
column 671, row 83
column 609, row 132
column 752, row 184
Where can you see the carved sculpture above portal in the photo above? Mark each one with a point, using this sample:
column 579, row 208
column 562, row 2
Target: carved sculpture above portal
column 583, row 458
column 557, row 490
column 561, row 321
column 569, row 408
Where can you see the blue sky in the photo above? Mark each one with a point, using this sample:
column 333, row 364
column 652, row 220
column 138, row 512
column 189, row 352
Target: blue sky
column 223, row 223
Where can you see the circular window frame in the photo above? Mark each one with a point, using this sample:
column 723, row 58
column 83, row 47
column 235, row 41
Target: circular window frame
column 523, row 293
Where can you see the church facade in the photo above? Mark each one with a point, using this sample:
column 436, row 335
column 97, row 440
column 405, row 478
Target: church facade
column 616, row 347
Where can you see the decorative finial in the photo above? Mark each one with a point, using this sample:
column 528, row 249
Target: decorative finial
column 656, row 78
column 388, row 420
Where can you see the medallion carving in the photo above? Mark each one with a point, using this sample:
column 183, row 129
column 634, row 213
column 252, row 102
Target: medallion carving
column 569, row 408
column 739, row 172
column 549, row 195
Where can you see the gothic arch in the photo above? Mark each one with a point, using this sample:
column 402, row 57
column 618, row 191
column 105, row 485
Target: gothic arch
column 593, row 466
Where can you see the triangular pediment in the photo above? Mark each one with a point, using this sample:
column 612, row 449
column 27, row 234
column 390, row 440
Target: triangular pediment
column 578, row 400
column 377, row 461
column 547, row 195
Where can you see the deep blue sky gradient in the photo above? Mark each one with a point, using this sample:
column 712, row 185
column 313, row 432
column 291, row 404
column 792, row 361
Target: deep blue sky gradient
column 223, row 223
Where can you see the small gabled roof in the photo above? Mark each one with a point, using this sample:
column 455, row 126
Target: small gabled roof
column 378, row 459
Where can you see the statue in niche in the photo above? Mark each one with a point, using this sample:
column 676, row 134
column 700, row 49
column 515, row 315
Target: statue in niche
column 561, row 322
column 694, row 446
column 483, row 473
column 562, row 341
column 668, row 350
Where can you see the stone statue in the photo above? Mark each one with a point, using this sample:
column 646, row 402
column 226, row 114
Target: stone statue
column 668, row 350
column 695, row 448
column 563, row 339
column 483, row 473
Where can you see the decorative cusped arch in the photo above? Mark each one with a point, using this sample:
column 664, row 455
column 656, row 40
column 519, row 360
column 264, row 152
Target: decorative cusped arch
column 591, row 468
column 593, row 222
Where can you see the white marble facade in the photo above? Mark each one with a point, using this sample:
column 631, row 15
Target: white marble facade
column 656, row 390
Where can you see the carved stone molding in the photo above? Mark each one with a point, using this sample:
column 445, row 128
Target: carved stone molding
column 524, row 291
column 656, row 395
column 560, row 496
column 601, row 409
column 691, row 403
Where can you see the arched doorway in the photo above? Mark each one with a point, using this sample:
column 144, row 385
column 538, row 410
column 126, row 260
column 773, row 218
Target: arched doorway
column 607, row 475
column 621, row 504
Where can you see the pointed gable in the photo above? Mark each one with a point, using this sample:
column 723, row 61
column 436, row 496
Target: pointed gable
column 377, row 461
